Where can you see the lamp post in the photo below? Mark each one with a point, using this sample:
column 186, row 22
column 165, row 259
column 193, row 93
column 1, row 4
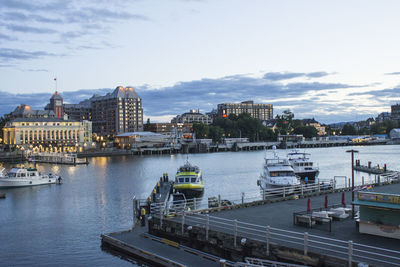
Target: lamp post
column 352, row 151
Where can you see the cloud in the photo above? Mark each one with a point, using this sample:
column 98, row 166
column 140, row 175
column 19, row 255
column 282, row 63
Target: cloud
column 29, row 29
column 304, row 99
column 391, row 93
column 6, row 37
column 9, row 54
column 277, row 76
column 393, row 73
column 80, row 20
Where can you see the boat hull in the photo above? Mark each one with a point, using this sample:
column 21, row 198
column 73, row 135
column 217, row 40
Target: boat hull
column 308, row 176
column 15, row 183
column 190, row 190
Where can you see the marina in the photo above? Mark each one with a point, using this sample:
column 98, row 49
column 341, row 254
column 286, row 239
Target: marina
column 97, row 198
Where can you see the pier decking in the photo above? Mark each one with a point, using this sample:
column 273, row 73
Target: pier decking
column 236, row 232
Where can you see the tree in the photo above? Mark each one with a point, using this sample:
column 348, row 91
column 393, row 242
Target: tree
column 284, row 122
column 349, row 129
column 201, row 130
column 216, row 133
column 306, row 131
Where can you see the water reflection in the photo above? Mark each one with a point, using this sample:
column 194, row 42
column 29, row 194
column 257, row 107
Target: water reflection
column 97, row 198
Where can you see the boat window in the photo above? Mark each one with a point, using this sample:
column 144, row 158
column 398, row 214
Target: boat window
column 11, row 174
column 310, row 164
column 18, row 175
column 32, row 174
column 181, row 180
column 22, row 174
column 187, row 180
column 193, row 180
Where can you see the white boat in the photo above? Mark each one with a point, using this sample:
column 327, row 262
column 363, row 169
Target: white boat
column 302, row 165
column 21, row 177
column 278, row 173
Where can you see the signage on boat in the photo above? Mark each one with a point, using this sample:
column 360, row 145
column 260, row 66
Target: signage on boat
column 378, row 197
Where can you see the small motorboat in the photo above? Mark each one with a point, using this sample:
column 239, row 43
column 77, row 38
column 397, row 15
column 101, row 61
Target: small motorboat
column 21, row 177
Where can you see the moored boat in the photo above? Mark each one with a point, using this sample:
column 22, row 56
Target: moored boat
column 189, row 181
column 302, row 165
column 278, row 173
column 21, row 177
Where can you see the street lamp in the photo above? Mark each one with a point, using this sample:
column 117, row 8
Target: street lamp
column 352, row 151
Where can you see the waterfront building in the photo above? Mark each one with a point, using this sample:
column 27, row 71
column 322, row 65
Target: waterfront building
column 46, row 132
column 25, row 111
column 395, row 110
column 141, row 139
column 117, row 112
column 262, row 112
column 384, row 116
column 56, row 105
column 167, row 127
column 312, row 122
column 379, row 214
column 193, row 116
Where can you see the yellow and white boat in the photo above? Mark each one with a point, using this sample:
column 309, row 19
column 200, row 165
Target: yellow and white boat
column 189, row 181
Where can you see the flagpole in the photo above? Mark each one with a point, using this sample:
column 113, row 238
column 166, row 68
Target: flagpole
column 55, row 80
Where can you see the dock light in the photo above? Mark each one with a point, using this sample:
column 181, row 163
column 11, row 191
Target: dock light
column 189, row 228
column 243, row 241
column 352, row 151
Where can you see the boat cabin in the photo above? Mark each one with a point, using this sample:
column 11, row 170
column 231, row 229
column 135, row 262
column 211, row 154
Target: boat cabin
column 22, row 173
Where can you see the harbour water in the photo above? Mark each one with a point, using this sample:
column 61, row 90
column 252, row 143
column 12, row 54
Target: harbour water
column 61, row 224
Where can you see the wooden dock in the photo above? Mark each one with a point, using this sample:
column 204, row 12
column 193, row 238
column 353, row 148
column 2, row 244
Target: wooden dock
column 58, row 158
column 264, row 229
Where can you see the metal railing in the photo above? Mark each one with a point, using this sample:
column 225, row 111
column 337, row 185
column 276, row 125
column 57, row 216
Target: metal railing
column 227, row 200
column 345, row 250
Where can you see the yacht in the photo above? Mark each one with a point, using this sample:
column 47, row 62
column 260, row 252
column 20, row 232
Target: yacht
column 302, row 165
column 277, row 173
column 20, row 177
column 189, row 181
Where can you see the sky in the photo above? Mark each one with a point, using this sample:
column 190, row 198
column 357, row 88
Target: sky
column 329, row 60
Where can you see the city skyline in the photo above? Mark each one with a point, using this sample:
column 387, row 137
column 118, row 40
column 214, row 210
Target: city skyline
column 334, row 61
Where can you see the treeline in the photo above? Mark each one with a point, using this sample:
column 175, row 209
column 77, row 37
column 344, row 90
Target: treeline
column 376, row 128
column 245, row 126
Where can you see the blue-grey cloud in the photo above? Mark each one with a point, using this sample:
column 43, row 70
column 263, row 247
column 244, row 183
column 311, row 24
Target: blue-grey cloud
column 29, row 29
column 79, row 20
column 6, row 37
column 393, row 73
column 10, row 54
column 205, row 94
column 277, row 76
column 391, row 92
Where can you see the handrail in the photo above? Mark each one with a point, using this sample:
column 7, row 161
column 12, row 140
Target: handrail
column 340, row 248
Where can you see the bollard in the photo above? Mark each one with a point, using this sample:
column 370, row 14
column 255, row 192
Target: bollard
column 350, row 253
column 242, row 198
column 222, row 263
column 234, row 232
column 207, row 225
column 267, row 236
column 305, row 243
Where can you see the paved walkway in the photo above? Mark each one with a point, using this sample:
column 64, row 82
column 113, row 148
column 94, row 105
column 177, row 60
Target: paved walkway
column 136, row 239
column 280, row 215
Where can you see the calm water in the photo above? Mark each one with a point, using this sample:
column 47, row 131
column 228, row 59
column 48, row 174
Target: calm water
column 61, row 224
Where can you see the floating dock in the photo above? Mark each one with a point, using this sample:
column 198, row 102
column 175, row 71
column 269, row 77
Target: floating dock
column 264, row 230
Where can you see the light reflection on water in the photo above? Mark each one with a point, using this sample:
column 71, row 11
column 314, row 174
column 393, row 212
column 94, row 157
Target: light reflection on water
column 61, row 224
